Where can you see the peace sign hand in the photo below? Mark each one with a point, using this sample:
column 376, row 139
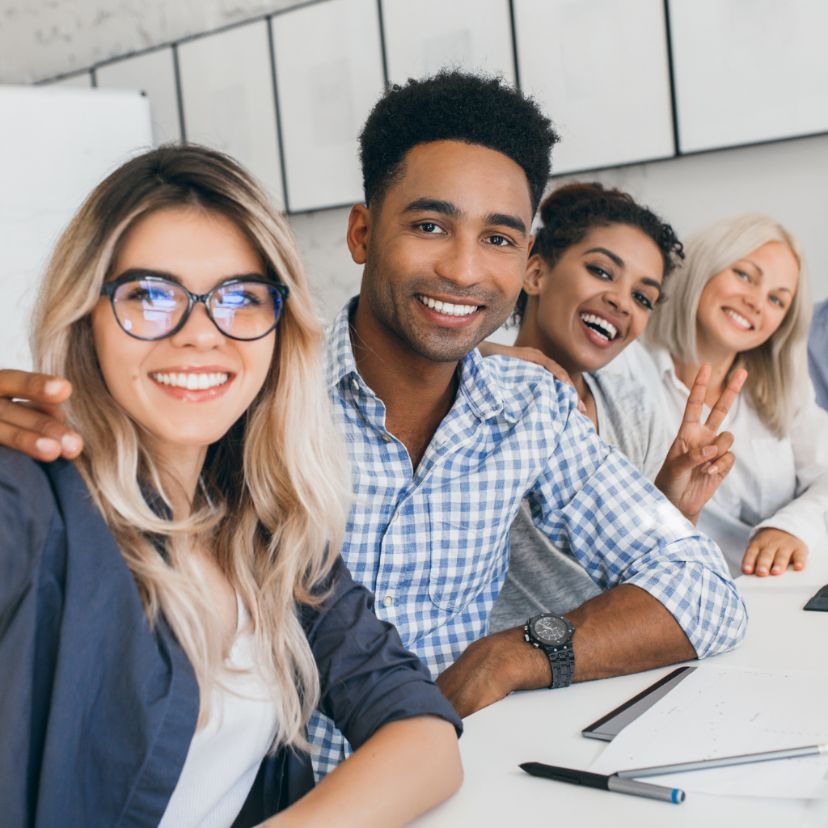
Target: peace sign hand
column 699, row 458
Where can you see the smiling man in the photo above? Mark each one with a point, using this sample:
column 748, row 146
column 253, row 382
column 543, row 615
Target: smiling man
column 444, row 445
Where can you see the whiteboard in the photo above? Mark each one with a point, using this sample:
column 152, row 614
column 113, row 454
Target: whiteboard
column 228, row 99
column 329, row 75
column 153, row 73
column 749, row 70
column 600, row 70
column 423, row 37
column 44, row 180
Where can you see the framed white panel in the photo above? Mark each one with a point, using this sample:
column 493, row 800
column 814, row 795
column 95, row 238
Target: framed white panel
column 423, row 37
column 329, row 75
column 599, row 69
column 43, row 182
column 81, row 80
column 229, row 101
column 749, row 70
column 153, row 74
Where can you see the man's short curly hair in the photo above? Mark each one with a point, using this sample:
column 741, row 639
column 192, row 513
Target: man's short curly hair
column 571, row 211
column 454, row 106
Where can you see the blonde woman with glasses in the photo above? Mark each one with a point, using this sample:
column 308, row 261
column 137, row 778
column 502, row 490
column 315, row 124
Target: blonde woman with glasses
column 172, row 605
column 742, row 301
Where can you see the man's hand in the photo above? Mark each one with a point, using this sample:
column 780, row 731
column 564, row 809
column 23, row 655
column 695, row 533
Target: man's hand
column 493, row 667
column 699, row 458
column 770, row 551
column 30, row 417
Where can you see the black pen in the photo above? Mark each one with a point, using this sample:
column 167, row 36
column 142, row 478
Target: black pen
column 605, row 783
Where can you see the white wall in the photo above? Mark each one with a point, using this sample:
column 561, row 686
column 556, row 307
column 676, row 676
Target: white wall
column 788, row 180
column 41, row 38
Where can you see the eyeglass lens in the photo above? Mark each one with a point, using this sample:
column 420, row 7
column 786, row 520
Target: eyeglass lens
column 151, row 309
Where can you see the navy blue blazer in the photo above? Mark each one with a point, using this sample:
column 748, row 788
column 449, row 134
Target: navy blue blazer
column 97, row 710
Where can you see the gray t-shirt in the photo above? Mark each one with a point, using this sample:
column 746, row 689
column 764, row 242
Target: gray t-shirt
column 543, row 577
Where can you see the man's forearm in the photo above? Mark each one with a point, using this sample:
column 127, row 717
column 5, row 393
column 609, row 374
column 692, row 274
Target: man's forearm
column 623, row 630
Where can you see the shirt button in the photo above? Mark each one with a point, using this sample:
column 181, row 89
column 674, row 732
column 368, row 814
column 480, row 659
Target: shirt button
column 387, row 601
column 387, row 437
column 355, row 384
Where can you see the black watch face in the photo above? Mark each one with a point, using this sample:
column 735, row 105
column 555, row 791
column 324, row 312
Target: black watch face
column 550, row 630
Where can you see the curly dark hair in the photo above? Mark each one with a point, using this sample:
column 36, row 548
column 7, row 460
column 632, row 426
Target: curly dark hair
column 454, row 106
column 571, row 211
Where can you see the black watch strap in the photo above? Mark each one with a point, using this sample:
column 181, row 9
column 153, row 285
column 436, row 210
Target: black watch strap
column 562, row 661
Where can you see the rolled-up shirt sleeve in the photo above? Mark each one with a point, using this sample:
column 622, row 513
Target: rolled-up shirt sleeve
column 367, row 677
column 592, row 501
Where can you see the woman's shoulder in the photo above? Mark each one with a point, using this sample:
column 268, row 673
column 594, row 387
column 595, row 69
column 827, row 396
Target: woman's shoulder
column 28, row 510
column 636, row 362
column 25, row 488
column 630, row 420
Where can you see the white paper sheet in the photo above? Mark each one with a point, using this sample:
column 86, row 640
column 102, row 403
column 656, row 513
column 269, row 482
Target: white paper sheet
column 721, row 712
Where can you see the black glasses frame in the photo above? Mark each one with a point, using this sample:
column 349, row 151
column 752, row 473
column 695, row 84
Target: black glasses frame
column 108, row 289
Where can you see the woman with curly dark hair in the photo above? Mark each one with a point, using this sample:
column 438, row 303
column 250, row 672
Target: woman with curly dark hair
column 596, row 273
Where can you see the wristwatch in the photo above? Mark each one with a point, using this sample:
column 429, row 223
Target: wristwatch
column 553, row 634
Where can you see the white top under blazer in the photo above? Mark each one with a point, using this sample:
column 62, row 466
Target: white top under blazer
column 225, row 754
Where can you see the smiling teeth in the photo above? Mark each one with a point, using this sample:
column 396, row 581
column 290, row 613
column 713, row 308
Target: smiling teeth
column 739, row 319
column 447, row 308
column 192, row 382
column 600, row 326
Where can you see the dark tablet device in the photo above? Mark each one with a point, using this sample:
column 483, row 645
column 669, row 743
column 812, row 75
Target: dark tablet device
column 609, row 726
column 820, row 601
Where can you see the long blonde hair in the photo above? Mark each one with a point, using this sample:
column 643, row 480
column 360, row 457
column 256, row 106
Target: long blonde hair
column 776, row 368
column 273, row 498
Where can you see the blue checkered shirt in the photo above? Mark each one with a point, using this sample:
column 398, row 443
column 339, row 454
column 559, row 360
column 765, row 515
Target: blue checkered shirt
column 432, row 543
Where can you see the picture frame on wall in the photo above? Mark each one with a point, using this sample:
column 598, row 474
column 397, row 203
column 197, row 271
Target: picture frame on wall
column 763, row 76
column 154, row 74
column 600, row 70
column 229, row 101
column 422, row 38
column 329, row 74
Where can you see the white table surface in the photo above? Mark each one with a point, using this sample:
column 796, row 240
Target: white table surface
column 545, row 725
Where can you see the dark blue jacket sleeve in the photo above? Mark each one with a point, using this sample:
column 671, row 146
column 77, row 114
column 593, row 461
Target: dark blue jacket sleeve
column 367, row 677
column 30, row 611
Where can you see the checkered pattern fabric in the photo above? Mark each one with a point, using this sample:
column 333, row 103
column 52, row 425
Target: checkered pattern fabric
column 432, row 544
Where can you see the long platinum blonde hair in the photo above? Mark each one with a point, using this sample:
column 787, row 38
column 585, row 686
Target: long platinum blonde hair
column 273, row 498
column 776, row 369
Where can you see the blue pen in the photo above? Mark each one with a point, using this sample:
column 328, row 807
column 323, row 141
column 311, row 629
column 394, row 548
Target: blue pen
column 606, row 783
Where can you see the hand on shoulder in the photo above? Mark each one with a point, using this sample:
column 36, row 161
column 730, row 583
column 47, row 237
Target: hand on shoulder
column 31, row 420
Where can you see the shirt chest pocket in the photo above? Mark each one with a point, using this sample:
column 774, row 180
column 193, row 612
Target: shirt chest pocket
column 466, row 554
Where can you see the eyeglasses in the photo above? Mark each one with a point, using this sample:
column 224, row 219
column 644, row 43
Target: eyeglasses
column 154, row 307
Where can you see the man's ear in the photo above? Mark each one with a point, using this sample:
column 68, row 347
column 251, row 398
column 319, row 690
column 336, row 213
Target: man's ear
column 535, row 271
column 359, row 231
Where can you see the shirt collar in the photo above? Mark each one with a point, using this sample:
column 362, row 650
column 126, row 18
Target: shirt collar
column 341, row 362
column 477, row 383
column 666, row 370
